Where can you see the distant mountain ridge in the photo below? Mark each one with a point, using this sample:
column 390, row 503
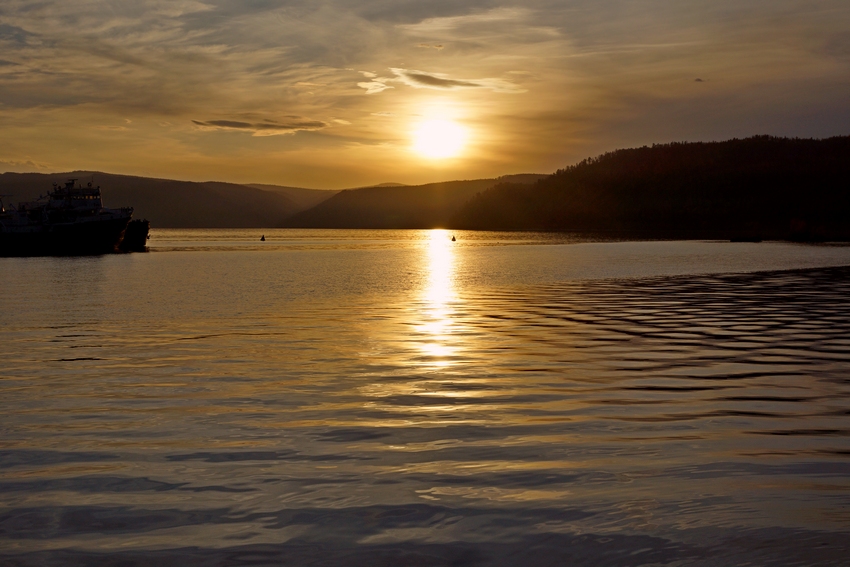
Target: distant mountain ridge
column 178, row 204
column 170, row 203
column 185, row 204
column 392, row 206
column 303, row 198
column 758, row 187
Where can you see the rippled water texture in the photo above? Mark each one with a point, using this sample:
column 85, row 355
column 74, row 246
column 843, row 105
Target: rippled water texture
column 393, row 398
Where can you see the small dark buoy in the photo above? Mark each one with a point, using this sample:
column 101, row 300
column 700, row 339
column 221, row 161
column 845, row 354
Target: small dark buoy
column 263, row 238
column 453, row 239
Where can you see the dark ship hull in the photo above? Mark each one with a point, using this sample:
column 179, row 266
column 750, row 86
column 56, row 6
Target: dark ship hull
column 135, row 236
column 65, row 239
column 68, row 221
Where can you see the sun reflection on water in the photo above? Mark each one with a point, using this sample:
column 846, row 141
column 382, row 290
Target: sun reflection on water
column 440, row 297
column 436, row 387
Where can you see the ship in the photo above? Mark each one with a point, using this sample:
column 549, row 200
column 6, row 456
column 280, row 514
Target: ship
column 136, row 236
column 69, row 221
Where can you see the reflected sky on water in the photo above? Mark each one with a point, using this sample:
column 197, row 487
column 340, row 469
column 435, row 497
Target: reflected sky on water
column 393, row 397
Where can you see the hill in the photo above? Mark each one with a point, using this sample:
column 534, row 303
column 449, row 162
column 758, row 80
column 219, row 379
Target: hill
column 172, row 204
column 303, row 198
column 760, row 187
column 393, row 206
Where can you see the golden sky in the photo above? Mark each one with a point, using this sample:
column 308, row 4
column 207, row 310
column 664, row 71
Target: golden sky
column 338, row 93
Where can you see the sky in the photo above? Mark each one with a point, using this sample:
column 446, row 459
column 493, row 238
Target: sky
column 343, row 93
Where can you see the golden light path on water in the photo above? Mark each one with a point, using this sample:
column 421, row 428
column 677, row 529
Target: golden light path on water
column 429, row 345
column 440, row 296
column 443, row 342
column 432, row 346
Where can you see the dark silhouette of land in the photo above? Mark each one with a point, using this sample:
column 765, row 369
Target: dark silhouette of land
column 178, row 204
column 303, row 198
column 756, row 188
column 184, row 204
column 393, row 206
column 760, row 187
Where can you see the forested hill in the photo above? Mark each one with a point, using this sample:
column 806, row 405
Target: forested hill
column 392, row 206
column 763, row 187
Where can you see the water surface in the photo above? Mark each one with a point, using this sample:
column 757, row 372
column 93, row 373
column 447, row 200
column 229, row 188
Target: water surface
column 394, row 398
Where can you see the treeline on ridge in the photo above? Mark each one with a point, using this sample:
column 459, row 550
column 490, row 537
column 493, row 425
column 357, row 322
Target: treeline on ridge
column 759, row 187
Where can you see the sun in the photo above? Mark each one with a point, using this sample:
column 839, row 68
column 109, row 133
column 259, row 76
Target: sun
column 437, row 138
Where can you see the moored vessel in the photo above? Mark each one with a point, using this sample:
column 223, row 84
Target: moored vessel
column 70, row 220
column 136, row 236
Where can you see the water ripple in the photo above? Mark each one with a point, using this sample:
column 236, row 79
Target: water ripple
column 654, row 420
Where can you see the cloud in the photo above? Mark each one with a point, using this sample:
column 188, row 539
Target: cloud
column 265, row 128
column 428, row 80
column 375, row 87
column 439, row 81
column 495, row 29
column 14, row 35
column 421, row 79
column 438, row 47
column 489, row 17
column 22, row 165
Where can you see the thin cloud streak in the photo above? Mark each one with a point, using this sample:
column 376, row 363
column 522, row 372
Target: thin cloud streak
column 450, row 23
column 266, row 128
column 421, row 79
column 438, row 81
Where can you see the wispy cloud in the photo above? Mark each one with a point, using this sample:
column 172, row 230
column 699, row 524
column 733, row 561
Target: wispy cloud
column 438, row 81
column 489, row 17
column 14, row 35
column 421, row 79
column 22, row 165
column 265, row 128
column 499, row 26
column 375, row 87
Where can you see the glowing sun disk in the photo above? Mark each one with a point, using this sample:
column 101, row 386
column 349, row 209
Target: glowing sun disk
column 438, row 138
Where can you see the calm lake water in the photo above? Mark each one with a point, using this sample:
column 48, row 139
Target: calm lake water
column 394, row 398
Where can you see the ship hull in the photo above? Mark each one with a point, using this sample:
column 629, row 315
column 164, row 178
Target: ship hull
column 90, row 237
column 135, row 237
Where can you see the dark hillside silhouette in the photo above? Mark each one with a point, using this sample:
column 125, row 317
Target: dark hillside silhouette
column 760, row 187
column 419, row 206
column 303, row 198
column 177, row 204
